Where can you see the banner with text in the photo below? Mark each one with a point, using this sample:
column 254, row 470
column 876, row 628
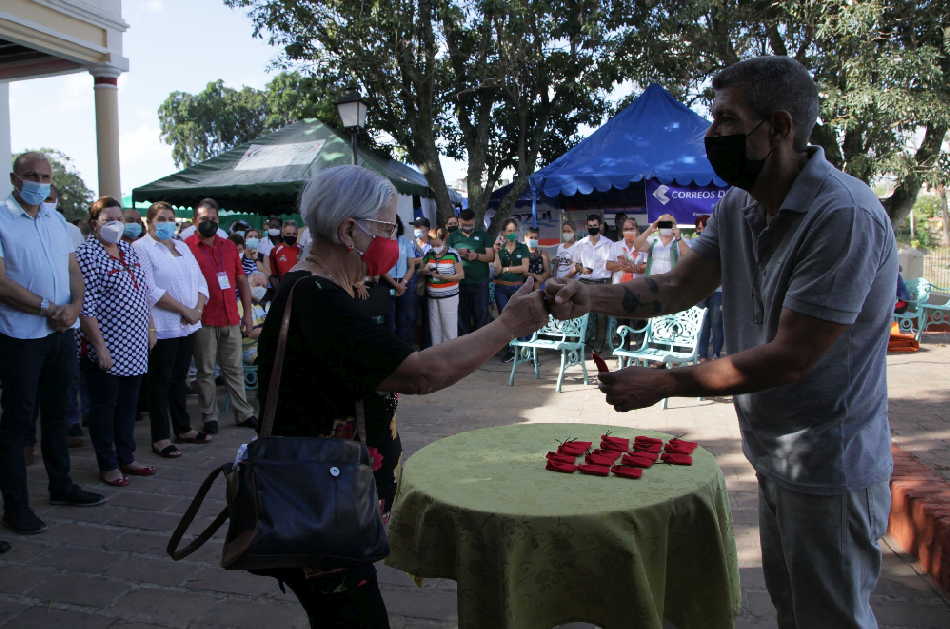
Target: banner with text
column 685, row 203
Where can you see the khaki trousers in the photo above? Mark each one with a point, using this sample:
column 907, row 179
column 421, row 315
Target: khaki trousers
column 221, row 345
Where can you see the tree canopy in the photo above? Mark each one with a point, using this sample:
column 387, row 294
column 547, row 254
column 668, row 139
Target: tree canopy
column 882, row 69
column 503, row 83
column 506, row 84
column 203, row 125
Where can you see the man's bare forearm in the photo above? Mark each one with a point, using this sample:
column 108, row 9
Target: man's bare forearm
column 641, row 297
column 756, row 369
column 16, row 296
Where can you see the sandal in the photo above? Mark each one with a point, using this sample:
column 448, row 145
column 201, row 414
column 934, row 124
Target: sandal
column 200, row 438
column 122, row 481
column 168, row 452
column 145, row 470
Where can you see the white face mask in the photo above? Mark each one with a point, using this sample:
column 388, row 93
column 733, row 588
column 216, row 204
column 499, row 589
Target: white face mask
column 567, row 236
column 630, row 233
column 258, row 292
column 418, row 232
column 273, row 232
column 532, row 243
column 666, row 231
column 111, row 232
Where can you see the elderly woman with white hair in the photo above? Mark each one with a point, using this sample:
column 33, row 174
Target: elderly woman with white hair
column 337, row 357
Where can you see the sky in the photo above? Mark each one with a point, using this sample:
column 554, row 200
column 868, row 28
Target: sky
column 171, row 45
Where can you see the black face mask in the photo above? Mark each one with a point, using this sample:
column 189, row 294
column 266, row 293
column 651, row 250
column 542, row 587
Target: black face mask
column 208, row 228
column 290, row 240
column 727, row 154
column 452, row 228
column 468, row 229
column 593, row 231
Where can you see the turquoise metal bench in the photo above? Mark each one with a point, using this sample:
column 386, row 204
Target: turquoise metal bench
column 566, row 337
column 911, row 321
column 671, row 339
column 934, row 313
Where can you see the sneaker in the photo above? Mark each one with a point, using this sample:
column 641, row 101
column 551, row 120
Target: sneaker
column 250, row 422
column 509, row 357
column 24, row 522
column 74, row 436
column 78, row 497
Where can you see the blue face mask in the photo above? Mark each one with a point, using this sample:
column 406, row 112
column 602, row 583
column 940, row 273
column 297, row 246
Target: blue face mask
column 132, row 230
column 34, row 192
column 165, row 230
column 252, row 243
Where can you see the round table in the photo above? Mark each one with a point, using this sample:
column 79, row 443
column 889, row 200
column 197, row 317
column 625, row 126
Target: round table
column 532, row 548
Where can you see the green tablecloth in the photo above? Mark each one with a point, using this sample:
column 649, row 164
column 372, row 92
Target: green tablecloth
column 531, row 548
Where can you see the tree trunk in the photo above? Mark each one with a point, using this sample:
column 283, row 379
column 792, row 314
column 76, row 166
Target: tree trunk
column 900, row 202
column 944, row 214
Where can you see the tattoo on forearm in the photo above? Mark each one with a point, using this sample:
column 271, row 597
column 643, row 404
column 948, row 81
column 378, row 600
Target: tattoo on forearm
column 633, row 305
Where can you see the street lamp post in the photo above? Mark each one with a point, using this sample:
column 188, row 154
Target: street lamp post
column 352, row 111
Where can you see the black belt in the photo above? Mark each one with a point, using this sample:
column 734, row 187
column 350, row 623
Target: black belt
column 585, row 280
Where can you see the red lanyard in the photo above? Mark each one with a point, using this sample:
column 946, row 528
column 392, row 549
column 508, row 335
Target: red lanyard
column 127, row 268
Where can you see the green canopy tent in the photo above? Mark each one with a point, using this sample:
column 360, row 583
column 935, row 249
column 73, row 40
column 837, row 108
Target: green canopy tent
column 265, row 175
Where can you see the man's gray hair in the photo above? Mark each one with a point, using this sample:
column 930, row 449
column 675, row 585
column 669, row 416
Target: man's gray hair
column 29, row 156
column 340, row 192
column 776, row 84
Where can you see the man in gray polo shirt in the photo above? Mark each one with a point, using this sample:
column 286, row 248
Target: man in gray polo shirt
column 808, row 263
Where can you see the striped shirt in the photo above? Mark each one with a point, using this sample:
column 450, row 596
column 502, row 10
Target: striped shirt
column 447, row 264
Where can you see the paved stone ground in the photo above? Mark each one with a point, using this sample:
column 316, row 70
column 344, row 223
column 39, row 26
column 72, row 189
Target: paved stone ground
column 106, row 567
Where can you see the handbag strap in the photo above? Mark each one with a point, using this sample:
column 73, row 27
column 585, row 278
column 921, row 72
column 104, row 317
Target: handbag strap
column 189, row 516
column 273, row 386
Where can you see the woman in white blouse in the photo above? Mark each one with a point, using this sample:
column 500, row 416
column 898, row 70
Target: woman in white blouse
column 178, row 296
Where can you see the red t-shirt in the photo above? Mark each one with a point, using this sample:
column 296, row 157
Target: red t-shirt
column 283, row 258
column 220, row 258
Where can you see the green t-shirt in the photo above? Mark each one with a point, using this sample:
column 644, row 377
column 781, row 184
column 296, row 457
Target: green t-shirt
column 475, row 272
column 515, row 258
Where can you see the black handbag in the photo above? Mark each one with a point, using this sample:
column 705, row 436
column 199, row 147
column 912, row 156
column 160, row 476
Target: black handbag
column 294, row 502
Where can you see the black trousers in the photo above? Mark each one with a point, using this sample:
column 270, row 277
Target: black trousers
column 167, row 370
column 112, row 416
column 34, row 372
column 473, row 306
column 347, row 600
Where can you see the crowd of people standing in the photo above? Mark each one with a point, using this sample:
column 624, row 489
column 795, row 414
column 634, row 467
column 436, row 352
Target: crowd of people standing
column 106, row 321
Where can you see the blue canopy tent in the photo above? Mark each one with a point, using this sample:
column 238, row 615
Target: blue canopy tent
column 655, row 141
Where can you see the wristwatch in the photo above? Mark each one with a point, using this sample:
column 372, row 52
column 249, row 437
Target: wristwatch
column 44, row 305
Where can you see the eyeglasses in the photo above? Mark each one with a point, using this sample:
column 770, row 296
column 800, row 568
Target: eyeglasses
column 390, row 226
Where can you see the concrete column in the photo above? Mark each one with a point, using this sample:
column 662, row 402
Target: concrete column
column 106, row 84
column 6, row 149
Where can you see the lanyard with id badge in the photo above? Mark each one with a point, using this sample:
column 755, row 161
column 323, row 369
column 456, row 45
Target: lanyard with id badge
column 224, row 282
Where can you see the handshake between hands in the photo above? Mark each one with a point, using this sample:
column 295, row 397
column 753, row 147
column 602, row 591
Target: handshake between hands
column 527, row 311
